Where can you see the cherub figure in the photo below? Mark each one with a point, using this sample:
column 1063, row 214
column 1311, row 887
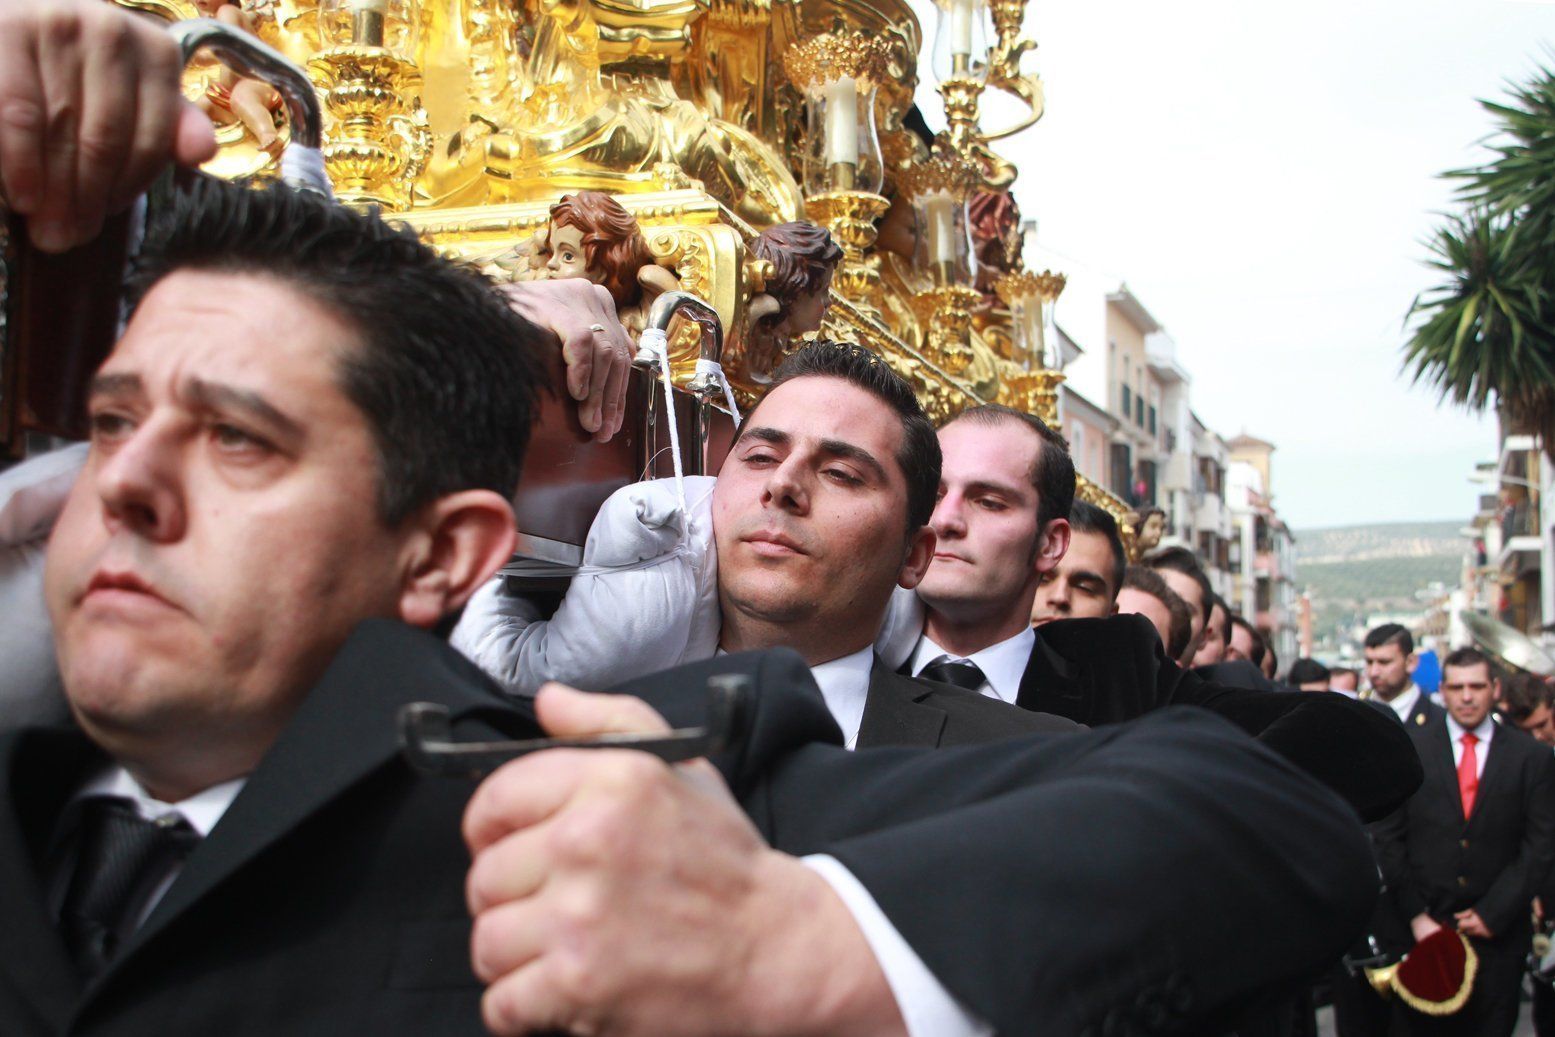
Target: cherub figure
column 803, row 258
column 592, row 236
column 1152, row 526
column 233, row 98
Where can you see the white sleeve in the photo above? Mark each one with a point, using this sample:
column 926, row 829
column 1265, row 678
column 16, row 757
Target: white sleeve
column 927, row 1007
column 646, row 599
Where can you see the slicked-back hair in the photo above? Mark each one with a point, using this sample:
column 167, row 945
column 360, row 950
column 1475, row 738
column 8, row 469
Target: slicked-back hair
column 1522, row 694
column 1053, row 473
column 1260, row 646
column 1462, row 657
column 1085, row 517
column 1391, row 634
column 1148, row 581
column 446, row 374
column 1182, row 560
column 919, row 455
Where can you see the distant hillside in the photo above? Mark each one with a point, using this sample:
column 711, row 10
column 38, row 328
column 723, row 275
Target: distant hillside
column 1355, row 570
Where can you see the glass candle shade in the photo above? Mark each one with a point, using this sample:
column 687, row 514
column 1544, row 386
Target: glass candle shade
column 391, row 24
column 944, row 245
column 842, row 149
column 961, row 39
column 1032, row 318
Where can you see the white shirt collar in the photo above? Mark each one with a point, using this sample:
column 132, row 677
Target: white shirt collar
column 1484, row 732
column 1355, row 695
column 1404, row 702
column 1002, row 664
column 845, row 687
column 202, row 810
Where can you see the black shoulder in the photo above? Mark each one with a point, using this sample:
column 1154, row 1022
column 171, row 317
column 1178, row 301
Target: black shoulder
column 1112, row 635
column 971, row 705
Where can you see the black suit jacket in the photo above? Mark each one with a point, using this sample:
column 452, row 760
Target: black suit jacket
column 329, row 898
column 1436, row 862
column 903, row 710
column 1103, row 671
column 1423, row 712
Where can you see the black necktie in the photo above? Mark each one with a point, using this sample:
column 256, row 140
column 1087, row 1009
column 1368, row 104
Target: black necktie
column 121, row 860
column 962, row 675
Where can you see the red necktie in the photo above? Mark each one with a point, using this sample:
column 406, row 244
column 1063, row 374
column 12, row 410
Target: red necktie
column 1468, row 773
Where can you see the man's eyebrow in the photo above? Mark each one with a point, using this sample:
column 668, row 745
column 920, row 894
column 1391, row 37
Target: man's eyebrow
column 115, row 385
column 857, row 454
column 977, row 486
column 218, row 396
column 776, row 437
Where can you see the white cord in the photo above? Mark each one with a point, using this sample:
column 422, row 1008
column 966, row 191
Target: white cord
column 303, row 167
column 656, row 342
column 525, row 567
column 713, row 369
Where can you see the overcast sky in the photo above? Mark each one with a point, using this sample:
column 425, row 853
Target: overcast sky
column 1263, row 175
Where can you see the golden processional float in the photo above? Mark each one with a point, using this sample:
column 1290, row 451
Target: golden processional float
column 668, row 150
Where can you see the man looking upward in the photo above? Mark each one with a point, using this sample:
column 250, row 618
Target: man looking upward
column 820, row 512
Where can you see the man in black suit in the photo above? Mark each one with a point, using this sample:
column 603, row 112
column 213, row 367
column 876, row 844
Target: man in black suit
column 820, row 513
column 1007, row 483
column 1390, row 659
column 1469, row 850
column 226, row 841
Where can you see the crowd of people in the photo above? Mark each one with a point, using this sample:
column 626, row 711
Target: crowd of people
column 991, row 778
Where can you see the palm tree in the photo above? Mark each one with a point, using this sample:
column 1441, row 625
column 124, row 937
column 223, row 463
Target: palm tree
column 1488, row 330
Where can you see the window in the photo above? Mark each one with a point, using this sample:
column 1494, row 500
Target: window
column 1152, row 421
column 1128, row 400
column 1139, row 411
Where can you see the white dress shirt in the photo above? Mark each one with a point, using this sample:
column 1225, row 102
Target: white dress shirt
column 845, row 687
column 1484, row 732
column 1002, row 664
column 1404, row 702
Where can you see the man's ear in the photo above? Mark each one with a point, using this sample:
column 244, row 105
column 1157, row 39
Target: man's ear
column 920, row 552
column 1052, row 545
column 461, row 540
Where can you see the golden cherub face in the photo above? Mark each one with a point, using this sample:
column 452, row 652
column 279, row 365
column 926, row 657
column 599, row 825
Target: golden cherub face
column 567, row 255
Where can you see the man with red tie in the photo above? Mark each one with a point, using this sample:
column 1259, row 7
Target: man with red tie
column 1468, row 850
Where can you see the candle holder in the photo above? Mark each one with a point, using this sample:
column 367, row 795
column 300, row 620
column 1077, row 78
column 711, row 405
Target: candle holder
column 839, row 73
column 370, row 85
column 945, row 313
column 1033, row 387
column 850, row 217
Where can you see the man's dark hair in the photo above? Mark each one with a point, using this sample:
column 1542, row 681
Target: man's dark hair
column 1273, row 657
column 1085, row 517
column 445, row 372
column 1182, row 560
column 1148, row 581
column 1345, row 671
column 1053, row 473
column 1260, row 646
column 919, row 456
column 1307, row 671
column 1391, row 634
column 1522, row 694
column 1469, row 657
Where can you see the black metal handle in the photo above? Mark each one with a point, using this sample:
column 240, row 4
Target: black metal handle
column 426, row 737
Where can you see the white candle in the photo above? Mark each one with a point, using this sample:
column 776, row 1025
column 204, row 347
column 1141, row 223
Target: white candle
column 842, row 122
column 941, row 211
column 961, row 28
